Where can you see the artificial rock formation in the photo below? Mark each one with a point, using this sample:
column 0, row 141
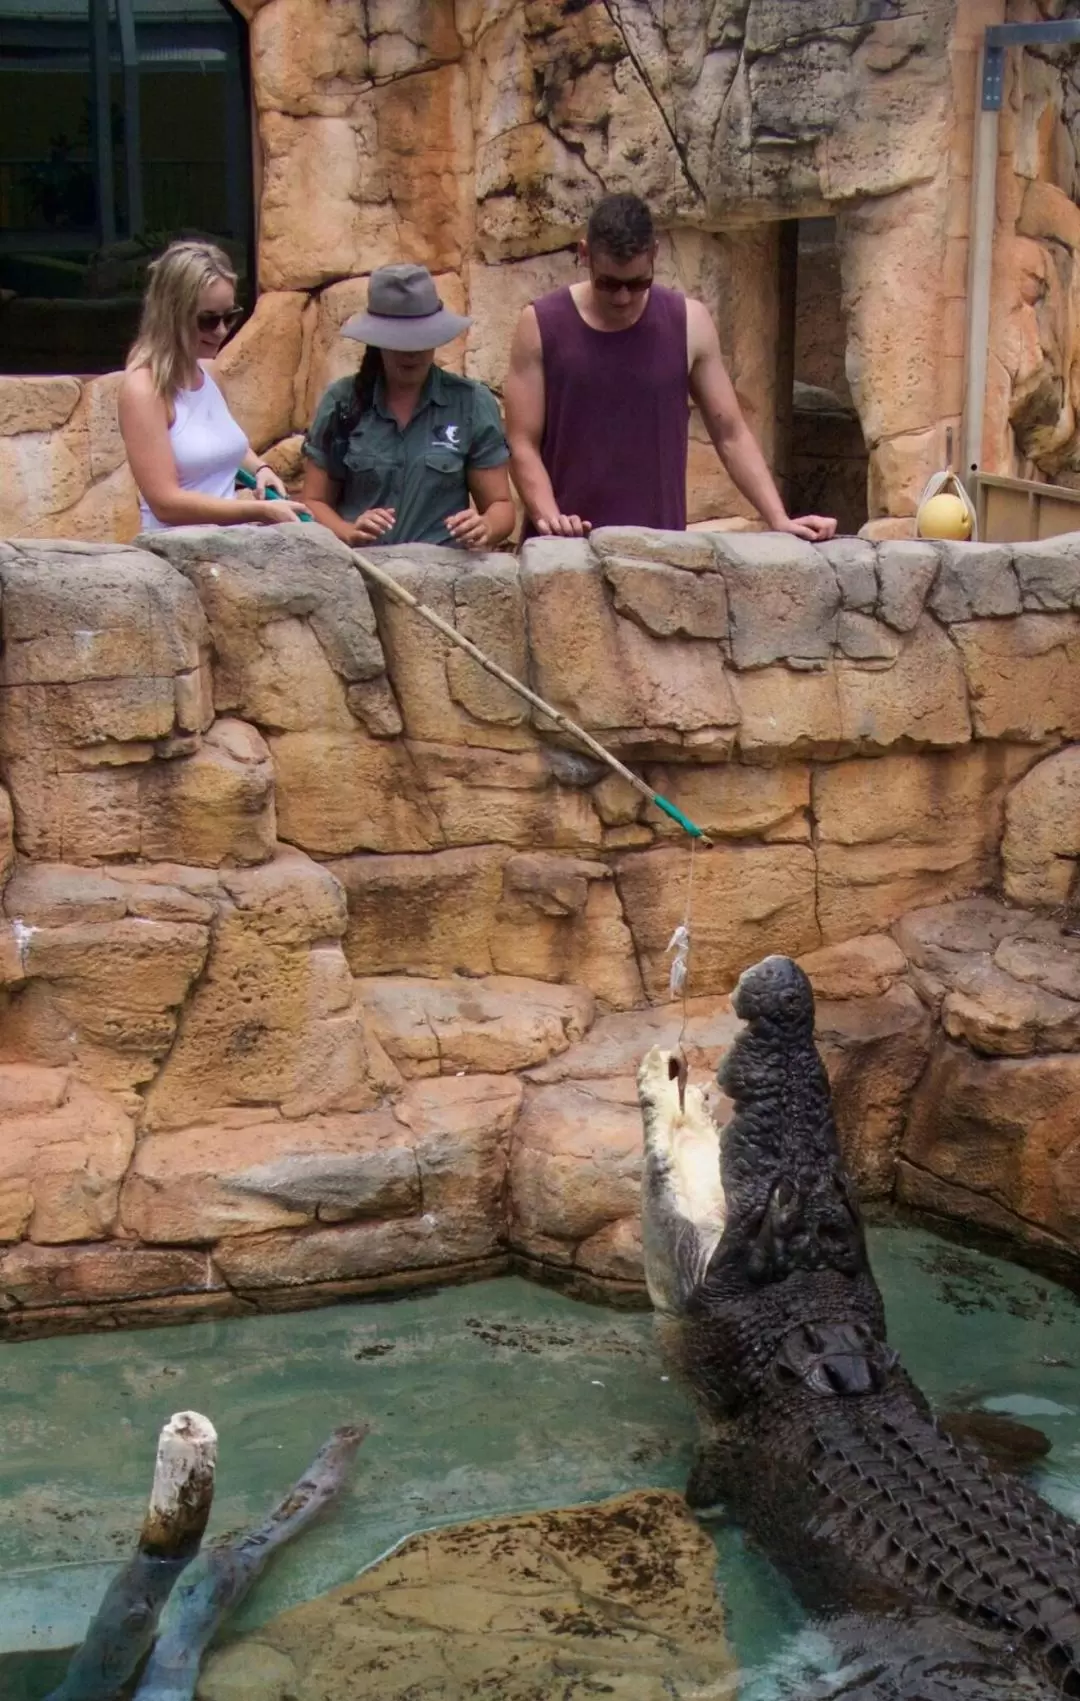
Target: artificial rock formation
column 575, row 1602
column 326, row 966
column 475, row 135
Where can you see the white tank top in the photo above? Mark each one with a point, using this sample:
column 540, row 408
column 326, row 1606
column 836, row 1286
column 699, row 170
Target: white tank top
column 207, row 444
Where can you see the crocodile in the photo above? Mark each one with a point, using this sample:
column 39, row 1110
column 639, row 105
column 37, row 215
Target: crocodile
column 811, row 1432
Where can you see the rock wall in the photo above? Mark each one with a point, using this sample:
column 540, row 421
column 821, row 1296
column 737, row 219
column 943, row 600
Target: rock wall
column 474, row 135
column 1033, row 391
column 325, row 965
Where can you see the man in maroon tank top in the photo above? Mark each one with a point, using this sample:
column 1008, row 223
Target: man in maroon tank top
column 598, row 395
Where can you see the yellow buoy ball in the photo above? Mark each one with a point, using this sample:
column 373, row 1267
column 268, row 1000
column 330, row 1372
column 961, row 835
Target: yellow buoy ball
column 944, row 516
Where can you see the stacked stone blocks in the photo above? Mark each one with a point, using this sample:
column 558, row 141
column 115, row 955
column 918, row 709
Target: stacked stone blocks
column 327, row 965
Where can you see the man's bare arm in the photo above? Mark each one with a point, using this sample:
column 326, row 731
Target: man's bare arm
column 524, row 402
column 735, row 443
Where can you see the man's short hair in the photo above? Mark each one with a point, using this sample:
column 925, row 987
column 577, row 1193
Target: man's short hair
column 622, row 226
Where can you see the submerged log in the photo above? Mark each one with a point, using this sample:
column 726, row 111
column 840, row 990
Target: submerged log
column 123, row 1627
column 205, row 1601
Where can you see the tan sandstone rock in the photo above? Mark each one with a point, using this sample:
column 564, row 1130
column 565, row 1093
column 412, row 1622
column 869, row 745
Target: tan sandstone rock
column 1041, row 845
column 36, row 404
column 384, row 182
column 41, row 475
column 480, row 796
column 492, row 1025
column 994, row 1141
column 459, row 1130
column 899, row 832
column 214, row 806
column 732, row 800
column 866, row 967
column 1022, row 675
column 619, row 1596
column 615, row 1044
column 252, row 582
column 108, row 509
column 1004, row 980
column 199, row 1184
column 104, row 963
column 36, row 1278
column 784, row 598
column 63, row 1151
column 104, row 996
column 575, row 1166
column 747, row 902
column 274, row 1019
column 259, row 368
column 445, row 696
column 668, row 602
column 425, row 915
column 106, row 664
column 630, row 688
column 875, row 1050
column 344, row 791
column 560, row 919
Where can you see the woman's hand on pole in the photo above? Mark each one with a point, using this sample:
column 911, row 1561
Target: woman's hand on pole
column 267, row 479
column 277, row 513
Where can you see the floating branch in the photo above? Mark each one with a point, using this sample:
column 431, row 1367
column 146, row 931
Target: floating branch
column 122, row 1630
column 205, row 1601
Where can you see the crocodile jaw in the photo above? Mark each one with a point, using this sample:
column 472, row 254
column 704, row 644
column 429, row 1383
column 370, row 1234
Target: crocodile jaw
column 683, row 1208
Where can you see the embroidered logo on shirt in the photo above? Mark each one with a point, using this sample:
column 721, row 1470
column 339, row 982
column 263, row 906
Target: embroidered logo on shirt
column 450, row 435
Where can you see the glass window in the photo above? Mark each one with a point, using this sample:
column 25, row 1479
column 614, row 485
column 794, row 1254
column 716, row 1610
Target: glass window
column 123, row 124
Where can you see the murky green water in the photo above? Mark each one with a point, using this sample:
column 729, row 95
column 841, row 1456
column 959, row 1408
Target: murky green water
column 492, row 1398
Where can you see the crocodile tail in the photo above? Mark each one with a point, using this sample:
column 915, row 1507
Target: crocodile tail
column 933, row 1521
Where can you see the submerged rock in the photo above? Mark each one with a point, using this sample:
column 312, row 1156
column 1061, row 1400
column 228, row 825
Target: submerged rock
column 618, row 1598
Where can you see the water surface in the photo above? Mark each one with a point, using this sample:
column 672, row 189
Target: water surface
column 498, row 1397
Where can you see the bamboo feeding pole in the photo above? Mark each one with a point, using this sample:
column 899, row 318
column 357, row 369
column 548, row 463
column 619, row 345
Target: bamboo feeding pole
column 389, row 584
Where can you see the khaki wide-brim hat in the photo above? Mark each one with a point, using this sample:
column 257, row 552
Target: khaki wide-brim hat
column 404, row 312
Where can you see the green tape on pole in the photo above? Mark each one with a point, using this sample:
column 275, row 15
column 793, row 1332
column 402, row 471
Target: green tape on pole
column 684, row 821
column 249, row 482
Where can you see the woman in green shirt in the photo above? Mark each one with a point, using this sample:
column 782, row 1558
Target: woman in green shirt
column 395, row 453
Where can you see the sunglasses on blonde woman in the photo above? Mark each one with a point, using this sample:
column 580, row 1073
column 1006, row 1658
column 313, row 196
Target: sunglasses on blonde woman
column 212, row 321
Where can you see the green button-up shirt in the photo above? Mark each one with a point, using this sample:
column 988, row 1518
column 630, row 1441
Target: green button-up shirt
column 420, row 470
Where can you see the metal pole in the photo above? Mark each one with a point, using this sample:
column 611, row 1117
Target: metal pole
column 980, row 262
column 997, row 39
column 102, row 120
column 236, row 118
column 787, row 305
column 129, row 55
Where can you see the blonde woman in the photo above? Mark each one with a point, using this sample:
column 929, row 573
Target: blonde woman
column 183, row 445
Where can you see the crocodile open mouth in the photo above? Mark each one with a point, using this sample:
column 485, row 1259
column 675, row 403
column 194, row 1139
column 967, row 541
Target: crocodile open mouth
column 684, row 1209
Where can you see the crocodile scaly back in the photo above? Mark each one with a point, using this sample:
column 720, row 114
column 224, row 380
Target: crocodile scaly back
column 932, row 1520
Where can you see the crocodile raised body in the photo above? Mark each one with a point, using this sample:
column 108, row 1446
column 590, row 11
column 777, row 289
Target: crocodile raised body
column 812, row 1434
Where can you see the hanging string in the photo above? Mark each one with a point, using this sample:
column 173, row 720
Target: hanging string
column 678, row 980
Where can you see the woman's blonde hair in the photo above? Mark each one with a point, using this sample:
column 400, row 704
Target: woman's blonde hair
column 167, row 338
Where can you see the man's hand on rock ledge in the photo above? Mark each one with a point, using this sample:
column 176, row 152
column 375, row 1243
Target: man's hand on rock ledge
column 815, row 528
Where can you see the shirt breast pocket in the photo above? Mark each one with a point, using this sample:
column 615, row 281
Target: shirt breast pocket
column 445, row 460
column 368, row 474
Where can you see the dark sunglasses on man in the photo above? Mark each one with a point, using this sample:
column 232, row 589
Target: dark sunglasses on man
column 611, row 286
column 212, row 321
